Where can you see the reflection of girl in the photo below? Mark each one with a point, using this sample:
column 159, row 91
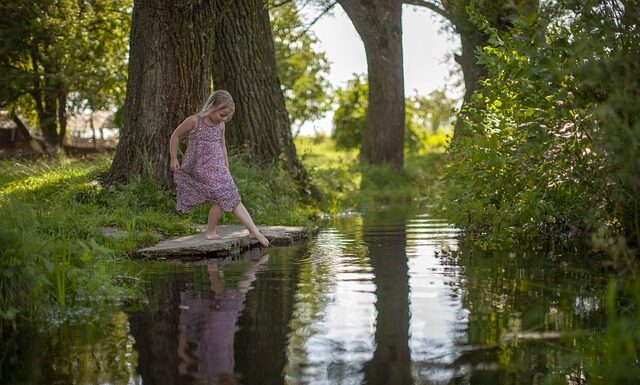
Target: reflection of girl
column 207, row 326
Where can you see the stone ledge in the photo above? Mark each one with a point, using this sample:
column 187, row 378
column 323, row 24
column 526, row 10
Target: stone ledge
column 235, row 240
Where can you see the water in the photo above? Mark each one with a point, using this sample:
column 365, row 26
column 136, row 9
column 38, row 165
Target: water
column 383, row 298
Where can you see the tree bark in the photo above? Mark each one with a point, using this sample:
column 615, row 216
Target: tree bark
column 380, row 28
column 169, row 78
column 245, row 65
column 62, row 113
column 47, row 115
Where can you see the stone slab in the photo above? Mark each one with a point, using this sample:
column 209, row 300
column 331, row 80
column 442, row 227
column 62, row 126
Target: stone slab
column 235, row 240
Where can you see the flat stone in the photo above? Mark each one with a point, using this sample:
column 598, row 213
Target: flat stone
column 235, row 240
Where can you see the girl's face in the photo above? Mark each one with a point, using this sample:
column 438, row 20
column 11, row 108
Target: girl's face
column 220, row 115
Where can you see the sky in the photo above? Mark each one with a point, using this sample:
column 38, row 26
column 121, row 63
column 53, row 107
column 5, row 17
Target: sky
column 428, row 54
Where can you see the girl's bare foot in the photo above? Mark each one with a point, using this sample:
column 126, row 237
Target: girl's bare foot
column 261, row 238
column 211, row 235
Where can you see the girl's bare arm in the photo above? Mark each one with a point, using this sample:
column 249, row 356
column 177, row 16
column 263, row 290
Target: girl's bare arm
column 184, row 127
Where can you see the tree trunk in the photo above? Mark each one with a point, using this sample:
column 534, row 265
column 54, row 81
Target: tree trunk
column 245, row 65
column 47, row 116
column 169, row 78
column 93, row 130
column 62, row 113
column 380, row 27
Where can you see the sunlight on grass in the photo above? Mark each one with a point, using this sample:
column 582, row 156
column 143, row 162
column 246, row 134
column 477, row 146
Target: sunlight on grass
column 348, row 185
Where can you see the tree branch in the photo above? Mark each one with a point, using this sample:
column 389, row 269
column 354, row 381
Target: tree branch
column 324, row 12
column 273, row 4
column 428, row 5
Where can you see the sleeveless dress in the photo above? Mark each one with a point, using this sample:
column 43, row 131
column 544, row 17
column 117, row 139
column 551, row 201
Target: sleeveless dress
column 203, row 175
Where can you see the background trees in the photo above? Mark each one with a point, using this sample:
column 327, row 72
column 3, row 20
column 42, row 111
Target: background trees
column 55, row 55
column 302, row 69
column 424, row 116
column 379, row 25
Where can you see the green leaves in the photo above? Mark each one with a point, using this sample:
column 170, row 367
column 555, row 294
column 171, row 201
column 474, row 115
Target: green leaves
column 75, row 50
column 529, row 168
column 303, row 70
column 426, row 117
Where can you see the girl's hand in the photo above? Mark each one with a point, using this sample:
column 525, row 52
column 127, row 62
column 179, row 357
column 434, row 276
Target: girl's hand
column 175, row 165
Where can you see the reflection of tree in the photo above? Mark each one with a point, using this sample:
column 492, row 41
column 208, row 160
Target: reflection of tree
column 386, row 239
column 261, row 341
column 96, row 351
column 189, row 337
column 507, row 294
column 156, row 332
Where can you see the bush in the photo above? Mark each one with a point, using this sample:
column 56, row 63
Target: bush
column 541, row 155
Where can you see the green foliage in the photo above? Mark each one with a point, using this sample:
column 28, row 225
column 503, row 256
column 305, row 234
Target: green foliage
column 538, row 159
column 63, row 52
column 427, row 117
column 349, row 117
column 302, row 69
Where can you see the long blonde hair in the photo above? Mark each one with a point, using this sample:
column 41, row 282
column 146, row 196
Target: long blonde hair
column 217, row 100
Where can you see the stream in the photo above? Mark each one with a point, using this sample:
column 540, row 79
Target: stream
column 387, row 297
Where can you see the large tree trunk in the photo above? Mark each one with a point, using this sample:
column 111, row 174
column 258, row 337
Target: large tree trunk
column 50, row 100
column 380, row 27
column 169, row 78
column 47, row 114
column 245, row 65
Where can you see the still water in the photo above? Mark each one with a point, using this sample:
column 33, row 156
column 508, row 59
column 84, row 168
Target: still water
column 378, row 298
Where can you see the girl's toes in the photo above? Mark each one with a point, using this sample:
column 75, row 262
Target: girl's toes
column 264, row 242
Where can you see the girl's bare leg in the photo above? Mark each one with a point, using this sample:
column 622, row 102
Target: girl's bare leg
column 241, row 212
column 214, row 216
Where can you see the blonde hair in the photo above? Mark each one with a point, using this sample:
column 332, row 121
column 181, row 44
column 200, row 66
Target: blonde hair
column 217, row 100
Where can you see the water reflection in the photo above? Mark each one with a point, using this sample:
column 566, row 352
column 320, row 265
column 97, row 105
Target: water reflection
column 189, row 338
column 387, row 297
column 391, row 361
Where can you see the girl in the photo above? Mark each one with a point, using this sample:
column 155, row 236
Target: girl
column 204, row 175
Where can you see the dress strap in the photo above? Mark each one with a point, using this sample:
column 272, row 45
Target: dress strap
column 197, row 127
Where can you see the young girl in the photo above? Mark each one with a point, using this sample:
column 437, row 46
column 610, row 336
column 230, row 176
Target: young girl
column 204, row 175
